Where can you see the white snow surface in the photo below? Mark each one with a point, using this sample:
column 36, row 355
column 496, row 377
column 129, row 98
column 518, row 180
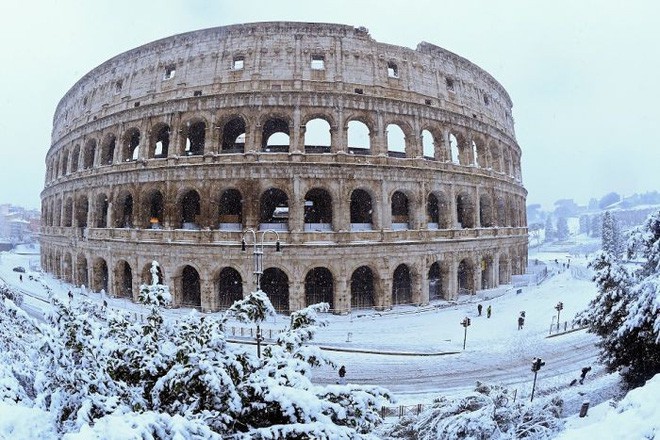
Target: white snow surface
column 417, row 352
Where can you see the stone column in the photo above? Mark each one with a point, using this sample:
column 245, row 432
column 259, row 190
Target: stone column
column 297, row 139
column 385, row 221
column 296, row 207
column 296, row 295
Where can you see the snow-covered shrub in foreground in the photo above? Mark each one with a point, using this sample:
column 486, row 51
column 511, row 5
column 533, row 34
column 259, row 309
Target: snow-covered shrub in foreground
column 488, row 413
column 181, row 376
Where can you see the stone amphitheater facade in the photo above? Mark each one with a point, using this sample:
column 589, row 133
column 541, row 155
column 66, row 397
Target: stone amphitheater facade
column 390, row 175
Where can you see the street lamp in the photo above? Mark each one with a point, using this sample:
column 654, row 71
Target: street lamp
column 257, row 258
column 465, row 323
column 559, row 307
column 537, row 363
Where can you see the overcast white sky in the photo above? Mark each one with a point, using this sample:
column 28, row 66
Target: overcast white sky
column 583, row 75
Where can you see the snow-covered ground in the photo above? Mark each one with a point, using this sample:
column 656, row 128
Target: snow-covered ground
column 418, row 352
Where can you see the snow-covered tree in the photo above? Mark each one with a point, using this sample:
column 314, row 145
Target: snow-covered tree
column 550, row 234
column 487, row 413
column 181, row 375
column 611, row 239
column 626, row 311
column 562, row 228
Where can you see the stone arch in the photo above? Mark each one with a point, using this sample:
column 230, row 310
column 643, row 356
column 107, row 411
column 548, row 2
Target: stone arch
column 228, row 287
column 358, row 135
column 487, row 272
column 363, row 291
column 274, row 209
column 464, row 210
column 501, row 212
column 124, row 210
column 400, row 209
column 190, row 287
column 432, row 211
column 233, row 135
column 275, row 283
column 146, row 276
column 230, row 209
column 75, row 157
column 102, row 206
column 428, row 145
column 189, row 208
column 193, row 134
column 276, row 135
column 361, row 210
column 319, row 287
column 465, row 277
column 123, row 279
column 396, row 141
column 100, row 275
column 318, row 137
column 89, row 154
column 108, row 146
column 82, row 211
column 131, row 145
column 81, row 270
column 496, row 156
column 160, row 141
column 402, row 285
column 67, row 220
column 318, row 210
column 153, row 208
column 480, row 152
column 486, row 211
column 439, row 281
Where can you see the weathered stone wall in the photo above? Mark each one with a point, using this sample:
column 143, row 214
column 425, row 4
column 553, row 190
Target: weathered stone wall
column 463, row 202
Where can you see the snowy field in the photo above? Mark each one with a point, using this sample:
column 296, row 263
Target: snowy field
column 418, row 353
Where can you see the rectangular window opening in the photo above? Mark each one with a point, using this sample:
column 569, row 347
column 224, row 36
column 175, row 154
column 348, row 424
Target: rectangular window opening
column 450, row 84
column 428, row 102
column 238, row 64
column 137, row 104
column 318, row 62
column 486, row 100
column 197, row 93
column 392, row 70
column 118, row 86
column 359, row 91
column 170, row 71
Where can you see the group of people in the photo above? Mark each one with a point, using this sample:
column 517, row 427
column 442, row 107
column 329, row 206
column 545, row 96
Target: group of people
column 488, row 310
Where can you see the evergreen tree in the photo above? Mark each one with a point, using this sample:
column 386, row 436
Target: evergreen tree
column 550, row 234
column 626, row 311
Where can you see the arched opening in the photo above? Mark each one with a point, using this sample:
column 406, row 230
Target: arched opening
column 191, row 295
column 454, row 149
column 229, row 287
column 503, row 276
column 317, row 136
column 428, row 145
column 67, row 221
column 487, row 279
column 81, row 270
column 485, row 211
column 125, row 212
column 358, row 138
column 274, row 210
column 480, row 155
column 90, row 152
column 401, row 285
column 432, row 212
column 161, row 142
column 108, row 149
column 82, row 209
column 189, row 208
column 465, row 277
column 438, row 277
column 501, row 213
column 361, row 211
column 124, row 280
column 195, row 135
column 276, row 136
column 155, row 210
column 147, row 278
column 362, row 288
column 74, row 159
column 276, row 285
column 131, row 148
column 67, row 270
column 102, row 206
column 319, row 287
column 396, row 141
column 233, row 136
column 318, row 210
column 400, row 214
column 230, row 211
column 100, row 276
column 464, row 211
column 496, row 157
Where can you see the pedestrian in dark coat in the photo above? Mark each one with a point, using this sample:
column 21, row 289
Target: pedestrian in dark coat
column 488, row 311
column 342, row 374
column 585, row 370
column 479, row 307
column 521, row 322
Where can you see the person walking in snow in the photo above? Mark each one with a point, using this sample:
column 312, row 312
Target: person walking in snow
column 585, row 370
column 488, row 311
column 479, row 307
column 521, row 322
column 342, row 374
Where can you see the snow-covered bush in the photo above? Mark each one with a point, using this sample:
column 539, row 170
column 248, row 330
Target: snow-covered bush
column 97, row 365
column 626, row 311
column 488, row 413
column 7, row 292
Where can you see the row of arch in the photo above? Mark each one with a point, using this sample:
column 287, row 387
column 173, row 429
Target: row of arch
column 320, row 134
column 365, row 288
column 319, row 210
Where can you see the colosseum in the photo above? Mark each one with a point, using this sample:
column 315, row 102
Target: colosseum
column 359, row 173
